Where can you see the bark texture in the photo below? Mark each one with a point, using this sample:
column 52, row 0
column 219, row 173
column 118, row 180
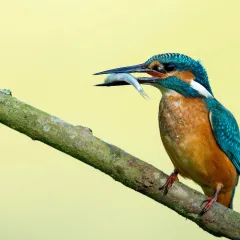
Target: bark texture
column 134, row 173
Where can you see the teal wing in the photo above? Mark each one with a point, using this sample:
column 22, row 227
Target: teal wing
column 226, row 132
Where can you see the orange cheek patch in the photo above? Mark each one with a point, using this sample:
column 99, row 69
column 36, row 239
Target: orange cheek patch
column 186, row 76
column 153, row 64
column 157, row 74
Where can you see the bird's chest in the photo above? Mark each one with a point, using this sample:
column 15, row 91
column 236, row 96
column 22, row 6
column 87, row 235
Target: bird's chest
column 184, row 125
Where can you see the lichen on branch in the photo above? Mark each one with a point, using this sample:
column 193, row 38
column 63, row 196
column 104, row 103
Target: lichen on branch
column 134, row 173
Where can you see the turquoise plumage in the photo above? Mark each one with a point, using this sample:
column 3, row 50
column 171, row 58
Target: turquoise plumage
column 225, row 130
column 199, row 134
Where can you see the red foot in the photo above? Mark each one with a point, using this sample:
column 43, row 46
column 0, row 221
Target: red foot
column 171, row 179
column 211, row 200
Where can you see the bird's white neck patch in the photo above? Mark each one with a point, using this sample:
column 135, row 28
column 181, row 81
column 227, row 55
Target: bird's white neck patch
column 195, row 85
column 200, row 89
column 166, row 91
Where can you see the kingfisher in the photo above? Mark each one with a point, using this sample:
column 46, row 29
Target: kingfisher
column 200, row 135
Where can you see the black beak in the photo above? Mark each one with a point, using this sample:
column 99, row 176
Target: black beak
column 129, row 69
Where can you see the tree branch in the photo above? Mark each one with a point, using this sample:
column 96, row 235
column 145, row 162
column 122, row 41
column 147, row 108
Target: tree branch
column 80, row 143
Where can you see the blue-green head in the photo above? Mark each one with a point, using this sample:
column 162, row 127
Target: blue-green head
column 172, row 71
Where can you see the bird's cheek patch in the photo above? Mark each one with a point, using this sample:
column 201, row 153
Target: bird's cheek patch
column 158, row 75
column 154, row 64
column 186, row 76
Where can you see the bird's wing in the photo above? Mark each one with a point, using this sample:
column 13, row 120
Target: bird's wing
column 226, row 132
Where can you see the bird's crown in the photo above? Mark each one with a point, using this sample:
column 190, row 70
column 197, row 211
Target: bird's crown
column 180, row 59
column 181, row 63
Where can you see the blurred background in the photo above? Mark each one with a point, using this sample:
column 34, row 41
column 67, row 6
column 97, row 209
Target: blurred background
column 48, row 52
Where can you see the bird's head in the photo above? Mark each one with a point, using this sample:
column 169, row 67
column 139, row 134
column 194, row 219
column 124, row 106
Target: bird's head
column 173, row 71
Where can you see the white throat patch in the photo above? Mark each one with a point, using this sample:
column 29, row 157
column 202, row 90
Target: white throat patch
column 200, row 89
column 165, row 91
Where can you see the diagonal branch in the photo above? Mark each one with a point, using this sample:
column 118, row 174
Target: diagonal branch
column 80, row 143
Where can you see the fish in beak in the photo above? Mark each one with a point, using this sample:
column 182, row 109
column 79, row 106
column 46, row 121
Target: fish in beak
column 140, row 68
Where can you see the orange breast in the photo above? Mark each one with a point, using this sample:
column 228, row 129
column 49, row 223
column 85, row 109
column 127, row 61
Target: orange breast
column 188, row 139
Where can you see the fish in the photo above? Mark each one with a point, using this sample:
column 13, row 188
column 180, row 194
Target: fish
column 118, row 79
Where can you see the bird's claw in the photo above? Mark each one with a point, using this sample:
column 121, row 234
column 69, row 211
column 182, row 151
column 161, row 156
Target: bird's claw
column 168, row 184
column 165, row 188
column 206, row 200
column 210, row 201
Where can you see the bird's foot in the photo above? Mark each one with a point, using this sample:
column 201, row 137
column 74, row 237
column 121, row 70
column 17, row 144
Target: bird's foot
column 170, row 180
column 211, row 200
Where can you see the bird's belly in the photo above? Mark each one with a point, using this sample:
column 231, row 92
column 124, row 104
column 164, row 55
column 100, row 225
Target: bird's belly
column 188, row 139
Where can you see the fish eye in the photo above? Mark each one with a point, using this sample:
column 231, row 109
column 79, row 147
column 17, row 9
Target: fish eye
column 169, row 67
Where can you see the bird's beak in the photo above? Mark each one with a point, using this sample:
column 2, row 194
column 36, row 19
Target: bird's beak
column 128, row 69
column 140, row 68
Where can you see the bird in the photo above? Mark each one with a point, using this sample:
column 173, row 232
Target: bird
column 200, row 135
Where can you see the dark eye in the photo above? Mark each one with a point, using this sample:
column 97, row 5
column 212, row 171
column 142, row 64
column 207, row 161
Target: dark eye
column 169, row 67
column 158, row 68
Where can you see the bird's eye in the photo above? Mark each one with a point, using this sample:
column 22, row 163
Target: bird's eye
column 169, row 67
column 157, row 68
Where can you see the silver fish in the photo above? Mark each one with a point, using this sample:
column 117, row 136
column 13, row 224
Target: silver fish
column 126, row 77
